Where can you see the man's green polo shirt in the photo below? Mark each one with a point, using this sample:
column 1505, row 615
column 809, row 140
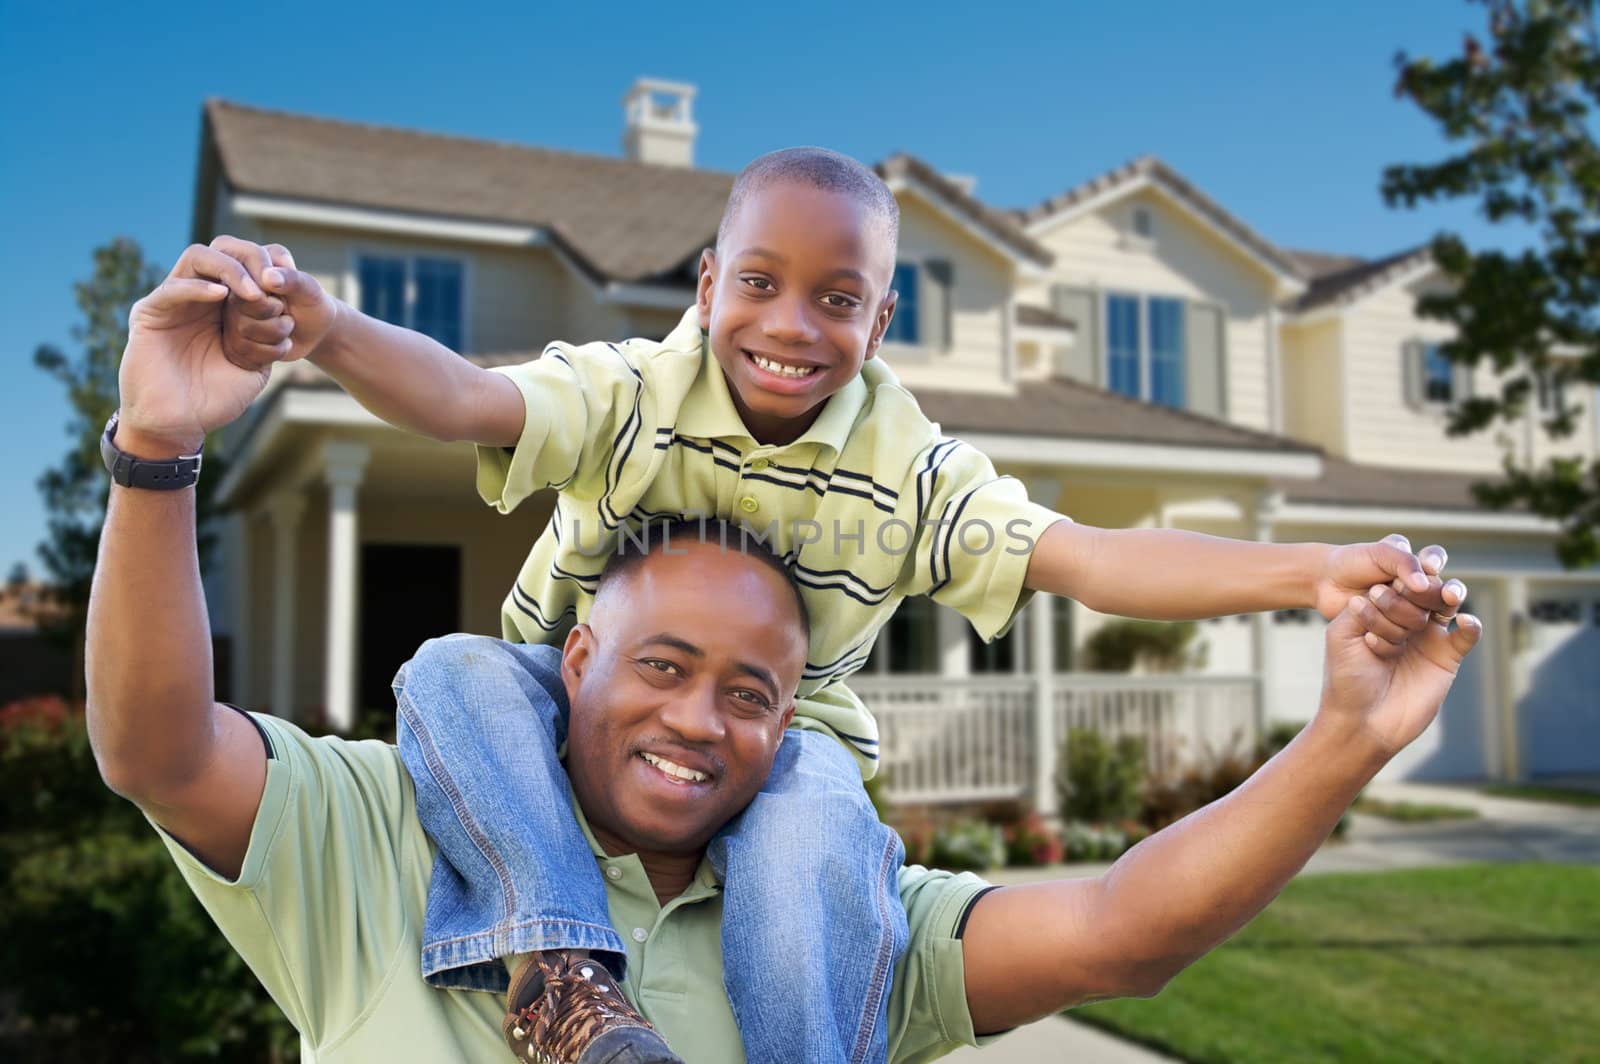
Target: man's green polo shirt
column 328, row 908
column 870, row 505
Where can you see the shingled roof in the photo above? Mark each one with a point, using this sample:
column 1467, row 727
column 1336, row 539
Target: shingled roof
column 1338, row 280
column 1071, row 410
column 1344, row 483
column 619, row 219
column 1151, row 168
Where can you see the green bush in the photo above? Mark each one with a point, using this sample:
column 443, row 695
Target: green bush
column 1099, row 781
column 969, row 844
column 1162, row 646
column 104, row 950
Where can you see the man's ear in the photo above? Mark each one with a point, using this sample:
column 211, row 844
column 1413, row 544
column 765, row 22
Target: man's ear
column 702, row 295
column 788, row 715
column 881, row 324
column 575, row 655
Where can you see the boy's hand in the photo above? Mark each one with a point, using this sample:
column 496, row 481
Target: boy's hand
column 1389, row 666
column 1352, row 569
column 287, row 325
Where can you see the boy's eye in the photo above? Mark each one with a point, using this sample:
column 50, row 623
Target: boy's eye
column 842, row 302
column 760, row 284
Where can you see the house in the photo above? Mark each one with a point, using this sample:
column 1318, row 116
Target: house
column 1131, row 349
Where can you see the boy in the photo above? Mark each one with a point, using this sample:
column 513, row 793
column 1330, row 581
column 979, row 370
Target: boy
column 765, row 405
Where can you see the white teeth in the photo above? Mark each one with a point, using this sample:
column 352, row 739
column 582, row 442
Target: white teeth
column 672, row 768
column 782, row 370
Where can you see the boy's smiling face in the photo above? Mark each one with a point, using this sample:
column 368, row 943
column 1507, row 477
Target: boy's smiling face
column 795, row 298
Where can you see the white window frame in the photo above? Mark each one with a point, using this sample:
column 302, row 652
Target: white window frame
column 409, row 254
column 1146, row 362
column 1428, row 402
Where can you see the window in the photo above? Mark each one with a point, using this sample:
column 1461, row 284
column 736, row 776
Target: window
column 383, row 289
column 424, row 294
column 1438, row 376
column 1122, row 341
column 1144, row 348
column 1166, row 351
column 909, row 643
column 1552, row 393
column 903, row 327
column 1143, row 224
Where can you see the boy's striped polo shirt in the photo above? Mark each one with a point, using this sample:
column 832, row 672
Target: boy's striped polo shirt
column 871, row 504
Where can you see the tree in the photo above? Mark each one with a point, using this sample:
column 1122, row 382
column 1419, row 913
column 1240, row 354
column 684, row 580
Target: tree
column 18, row 578
column 1522, row 109
column 75, row 490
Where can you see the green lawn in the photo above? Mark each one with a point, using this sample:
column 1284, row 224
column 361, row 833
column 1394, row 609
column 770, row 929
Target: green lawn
column 1412, row 812
column 1536, row 793
column 1483, row 963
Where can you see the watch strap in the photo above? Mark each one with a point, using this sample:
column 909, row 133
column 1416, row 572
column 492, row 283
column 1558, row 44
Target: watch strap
column 167, row 474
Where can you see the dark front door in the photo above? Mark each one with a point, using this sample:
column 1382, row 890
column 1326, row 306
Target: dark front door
column 408, row 594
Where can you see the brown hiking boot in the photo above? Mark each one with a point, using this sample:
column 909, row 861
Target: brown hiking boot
column 566, row 1009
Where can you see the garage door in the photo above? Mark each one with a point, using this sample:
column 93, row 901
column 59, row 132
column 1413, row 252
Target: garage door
column 1560, row 716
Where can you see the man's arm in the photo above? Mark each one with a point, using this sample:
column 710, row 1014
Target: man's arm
column 404, row 377
column 159, row 738
column 1033, row 950
column 1169, row 574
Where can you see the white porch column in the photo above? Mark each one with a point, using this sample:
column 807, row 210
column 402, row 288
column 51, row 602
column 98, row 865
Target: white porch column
column 955, row 656
column 1266, row 509
column 284, row 512
column 1042, row 654
column 1040, row 627
column 1513, row 622
column 344, row 465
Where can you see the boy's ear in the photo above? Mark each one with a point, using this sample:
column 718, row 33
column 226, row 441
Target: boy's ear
column 702, row 294
column 881, row 325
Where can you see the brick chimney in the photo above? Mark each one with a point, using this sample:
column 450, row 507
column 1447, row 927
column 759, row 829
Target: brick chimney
column 659, row 123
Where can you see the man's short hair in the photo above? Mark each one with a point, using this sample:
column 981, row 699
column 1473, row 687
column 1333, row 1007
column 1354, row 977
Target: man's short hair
column 656, row 535
column 821, row 169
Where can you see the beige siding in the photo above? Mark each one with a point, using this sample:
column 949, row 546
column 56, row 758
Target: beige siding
column 982, row 290
column 1313, row 392
column 1183, row 259
column 1385, row 431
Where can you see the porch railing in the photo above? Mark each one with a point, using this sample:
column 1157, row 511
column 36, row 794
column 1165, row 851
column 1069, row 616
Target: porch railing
column 980, row 738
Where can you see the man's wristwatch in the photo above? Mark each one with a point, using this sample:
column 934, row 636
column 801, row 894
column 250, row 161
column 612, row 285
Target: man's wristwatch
column 162, row 475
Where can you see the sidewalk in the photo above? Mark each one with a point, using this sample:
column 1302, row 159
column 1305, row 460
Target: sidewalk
column 1508, row 830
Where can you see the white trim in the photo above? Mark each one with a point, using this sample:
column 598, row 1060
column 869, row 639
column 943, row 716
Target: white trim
column 1291, row 283
column 1148, row 457
column 1045, row 335
column 377, row 220
column 300, row 406
column 1310, row 513
column 1026, row 267
column 646, row 295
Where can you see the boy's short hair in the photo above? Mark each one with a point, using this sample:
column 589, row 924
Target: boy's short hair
column 819, row 168
column 656, row 535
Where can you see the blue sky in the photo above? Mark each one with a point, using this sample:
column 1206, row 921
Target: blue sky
column 1282, row 112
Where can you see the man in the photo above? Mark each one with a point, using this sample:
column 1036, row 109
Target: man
column 309, row 855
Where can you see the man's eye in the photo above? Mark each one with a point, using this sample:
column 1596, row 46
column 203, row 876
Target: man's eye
column 659, row 665
column 753, row 698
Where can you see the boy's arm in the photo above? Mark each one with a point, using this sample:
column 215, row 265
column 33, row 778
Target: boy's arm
column 1170, row 574
column 409, row 380
column 1033, row 950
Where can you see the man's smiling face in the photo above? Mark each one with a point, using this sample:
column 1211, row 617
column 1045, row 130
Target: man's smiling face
column 795, row 298
column 681, row 685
